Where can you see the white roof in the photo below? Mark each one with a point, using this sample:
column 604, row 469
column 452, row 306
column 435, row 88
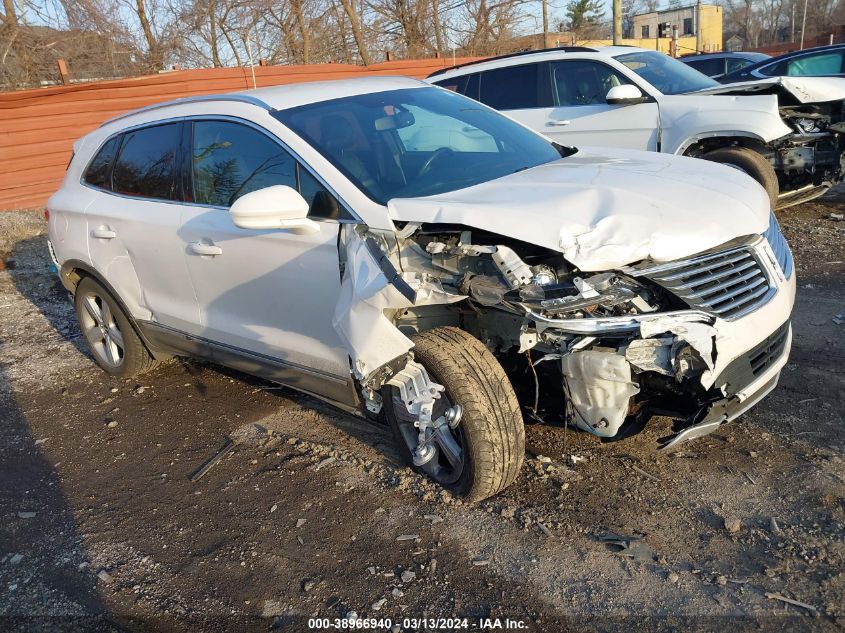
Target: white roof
column 293, row 95
column 539, row 56
column 274, row 97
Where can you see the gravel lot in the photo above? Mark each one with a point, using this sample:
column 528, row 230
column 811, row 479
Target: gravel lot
column 311, row 514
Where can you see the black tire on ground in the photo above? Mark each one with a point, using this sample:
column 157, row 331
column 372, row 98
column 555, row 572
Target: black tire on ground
column 125, row 359
column 752, row 163
column 491, row 429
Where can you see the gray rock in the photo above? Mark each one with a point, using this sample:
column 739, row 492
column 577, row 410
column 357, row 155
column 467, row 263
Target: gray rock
column 352, row 615
column 378, row 604
column 301, row 522
column 27, row 515
column 105, row 576
column 673, row 577
column 733, row 525
column 432, row 566
column 408, row 576
column 15, row 559
column 774, row 528
column 308, row 584
column 112, row 424
column 408, row 537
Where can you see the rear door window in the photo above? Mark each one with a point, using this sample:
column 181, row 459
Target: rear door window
column 512, row 88
column 146, row 165
column 712, row 67
column 737, row 63
column 98, row 173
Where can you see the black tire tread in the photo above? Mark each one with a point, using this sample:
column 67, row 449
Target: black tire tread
column 751, row 162
column 137, row 359
column 492, row 416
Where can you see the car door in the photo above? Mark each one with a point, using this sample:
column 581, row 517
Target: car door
column 270, row 294
column 580, row 114
column 133, row 224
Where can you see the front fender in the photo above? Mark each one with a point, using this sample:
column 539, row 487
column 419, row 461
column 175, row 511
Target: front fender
column 685, row 119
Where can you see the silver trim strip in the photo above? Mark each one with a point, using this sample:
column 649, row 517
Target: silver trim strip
column 241, row 98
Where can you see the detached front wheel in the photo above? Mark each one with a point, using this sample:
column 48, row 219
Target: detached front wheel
column 482, row 454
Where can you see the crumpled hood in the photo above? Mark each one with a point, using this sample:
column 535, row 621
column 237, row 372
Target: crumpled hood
column 606, row 208
column 804, row 89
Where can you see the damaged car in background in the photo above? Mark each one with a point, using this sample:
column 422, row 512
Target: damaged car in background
column 404, row 252
column 787, row 133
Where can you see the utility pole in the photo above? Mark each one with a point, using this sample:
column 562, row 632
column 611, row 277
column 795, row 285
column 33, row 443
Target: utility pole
column 803, row 24
column 698, row 26
column 617, row 22
column 545, row 23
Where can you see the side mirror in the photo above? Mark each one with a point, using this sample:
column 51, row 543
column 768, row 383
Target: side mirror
column 276, row 207
column 625, row 94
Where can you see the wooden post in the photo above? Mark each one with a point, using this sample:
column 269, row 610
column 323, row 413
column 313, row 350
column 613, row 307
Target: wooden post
column 63, row 71
column 263, row 62
column 388, row 55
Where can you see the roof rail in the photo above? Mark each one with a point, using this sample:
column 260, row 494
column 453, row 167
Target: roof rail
column 242, row 98
column 565, row 49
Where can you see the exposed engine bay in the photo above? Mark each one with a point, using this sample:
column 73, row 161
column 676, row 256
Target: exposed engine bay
column 603, row 351
column 809, row 161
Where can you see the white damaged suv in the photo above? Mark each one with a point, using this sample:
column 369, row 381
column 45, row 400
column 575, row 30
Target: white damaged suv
column 787, row 133
column 397, row 248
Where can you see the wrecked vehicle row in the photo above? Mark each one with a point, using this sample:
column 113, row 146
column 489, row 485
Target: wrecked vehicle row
column 405, row 252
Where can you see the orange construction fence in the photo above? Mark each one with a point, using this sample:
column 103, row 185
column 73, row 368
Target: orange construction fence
column 38, row 126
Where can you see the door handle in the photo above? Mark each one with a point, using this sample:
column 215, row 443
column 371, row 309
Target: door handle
column 553, row 123
column 103, row 233
column 199, row 248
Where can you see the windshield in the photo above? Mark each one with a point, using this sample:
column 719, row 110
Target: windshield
column 417, row 141
column 665, row 73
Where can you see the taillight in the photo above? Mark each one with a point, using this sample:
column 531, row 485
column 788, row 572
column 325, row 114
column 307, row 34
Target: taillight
column 47, row 214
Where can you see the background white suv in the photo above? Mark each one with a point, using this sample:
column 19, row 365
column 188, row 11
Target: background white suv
column 393, row 247
column 787, row 136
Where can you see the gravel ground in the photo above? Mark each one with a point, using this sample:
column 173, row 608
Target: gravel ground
column 312, row 515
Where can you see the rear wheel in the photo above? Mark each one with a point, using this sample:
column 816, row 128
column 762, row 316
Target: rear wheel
column 116, row 347
column 753, row 164
column 482, row 455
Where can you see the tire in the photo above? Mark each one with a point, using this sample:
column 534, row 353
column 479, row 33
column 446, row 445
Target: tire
column 113, row 342
column 751, row 163
column 491, row 431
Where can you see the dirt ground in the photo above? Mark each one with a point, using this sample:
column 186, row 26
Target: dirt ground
column 312, row 515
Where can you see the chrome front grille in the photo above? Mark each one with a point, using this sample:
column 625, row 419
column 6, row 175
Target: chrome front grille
column 728, row 283
column 781, row 249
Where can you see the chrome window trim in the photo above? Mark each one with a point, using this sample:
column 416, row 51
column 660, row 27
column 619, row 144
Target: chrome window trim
column 355, row 219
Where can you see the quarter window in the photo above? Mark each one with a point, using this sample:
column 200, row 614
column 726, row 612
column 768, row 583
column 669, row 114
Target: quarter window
column 98, row 173
column 146, row 165
column 511, row 88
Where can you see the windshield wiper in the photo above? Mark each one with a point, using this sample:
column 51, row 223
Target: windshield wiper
column 564, row 150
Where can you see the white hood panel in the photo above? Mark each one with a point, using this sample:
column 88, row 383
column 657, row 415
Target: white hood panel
column 607, row 208
column 804, row 89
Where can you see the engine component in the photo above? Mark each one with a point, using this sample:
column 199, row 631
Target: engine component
column 599, row 388
column 515, row 271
